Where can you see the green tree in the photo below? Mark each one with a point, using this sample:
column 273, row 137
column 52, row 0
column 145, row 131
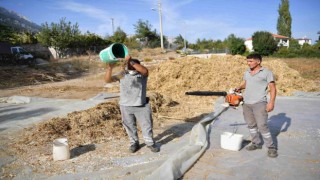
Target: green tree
column 23, row 38
column 132, row 43
column 218, row 44
column 204, row 44
column 60, row 35
column 119, row 36
column 44, row 36
column 146, row 35
column 263, row 43
column 284, row 19
column 90, row 41
column 317, row 45
column 6, row 34
column 235, row 45
column 294, row 45
column 208, row 45
column 179, row 40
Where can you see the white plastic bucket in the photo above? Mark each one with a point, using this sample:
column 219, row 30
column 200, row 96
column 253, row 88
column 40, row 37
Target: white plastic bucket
column 61, row 149
column 231, row 141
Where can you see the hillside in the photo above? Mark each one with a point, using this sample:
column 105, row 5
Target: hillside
column 17, row 22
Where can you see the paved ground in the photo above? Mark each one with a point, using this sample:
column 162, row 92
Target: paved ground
column 19, row 112
column 295, row 126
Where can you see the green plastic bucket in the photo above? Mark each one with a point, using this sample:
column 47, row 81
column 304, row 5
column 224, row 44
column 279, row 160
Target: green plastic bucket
column 114, row 51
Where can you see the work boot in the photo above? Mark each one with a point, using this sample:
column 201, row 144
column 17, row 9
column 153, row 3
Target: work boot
column 253, row 147
column 272, row 152
column 134, row 147
column 154, row 148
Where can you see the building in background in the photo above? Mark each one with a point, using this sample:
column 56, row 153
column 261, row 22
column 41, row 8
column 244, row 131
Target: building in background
column 282, row 41
column 303, row 40
column 171, row 44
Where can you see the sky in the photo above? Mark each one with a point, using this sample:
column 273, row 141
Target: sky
column 193, row 19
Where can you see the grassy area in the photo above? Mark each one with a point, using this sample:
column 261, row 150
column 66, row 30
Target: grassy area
column 309, row 68
column 55, row 71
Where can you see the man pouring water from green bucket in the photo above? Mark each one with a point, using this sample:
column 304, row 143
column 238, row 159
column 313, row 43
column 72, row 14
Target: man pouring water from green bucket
column 134, row 105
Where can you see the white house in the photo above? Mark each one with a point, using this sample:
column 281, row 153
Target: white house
column 171, row 44
column 283, row 41
column 303, row 40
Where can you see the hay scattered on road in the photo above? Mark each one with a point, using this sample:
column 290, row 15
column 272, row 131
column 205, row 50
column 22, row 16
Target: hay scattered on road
column 99, row 124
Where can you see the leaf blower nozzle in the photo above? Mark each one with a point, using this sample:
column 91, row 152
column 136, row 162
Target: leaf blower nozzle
column 207, row 93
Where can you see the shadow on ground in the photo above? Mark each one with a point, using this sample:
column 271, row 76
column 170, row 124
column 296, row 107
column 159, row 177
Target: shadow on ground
column 178, row 130
column 82, row 149
column 277, row 124
column 24, row 115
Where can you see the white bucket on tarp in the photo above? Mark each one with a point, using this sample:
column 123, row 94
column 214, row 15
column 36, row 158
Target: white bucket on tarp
column 61, row 149
column 231, row 141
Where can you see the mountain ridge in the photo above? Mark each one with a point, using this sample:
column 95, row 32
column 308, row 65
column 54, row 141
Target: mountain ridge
column 17, row 22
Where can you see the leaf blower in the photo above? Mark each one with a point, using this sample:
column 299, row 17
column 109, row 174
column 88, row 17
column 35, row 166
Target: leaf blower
column 232, row 98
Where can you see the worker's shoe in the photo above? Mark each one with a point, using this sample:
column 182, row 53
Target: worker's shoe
column 134, row 147
column 154, row 148
column 272, row 152
column 253, row 147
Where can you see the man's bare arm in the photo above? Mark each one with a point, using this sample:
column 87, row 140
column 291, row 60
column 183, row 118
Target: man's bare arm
column 242, row 86
column 109, row 77
column 141, row 69
column 273, row 94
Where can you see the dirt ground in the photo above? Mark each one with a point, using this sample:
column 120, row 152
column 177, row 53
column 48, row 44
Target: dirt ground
column 82, row 78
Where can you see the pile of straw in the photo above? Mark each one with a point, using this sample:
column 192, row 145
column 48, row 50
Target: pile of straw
column 219, row 73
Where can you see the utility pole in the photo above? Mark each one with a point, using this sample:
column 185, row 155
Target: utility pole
column 112, row 26
column 184, row 39
column 160, row 18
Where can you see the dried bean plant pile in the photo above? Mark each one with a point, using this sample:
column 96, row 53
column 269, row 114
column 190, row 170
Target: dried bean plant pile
column 219, row 73
column 173, row 78
column 101, row 123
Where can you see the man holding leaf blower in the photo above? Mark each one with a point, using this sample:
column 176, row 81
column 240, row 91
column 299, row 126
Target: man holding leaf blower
column 257, row 79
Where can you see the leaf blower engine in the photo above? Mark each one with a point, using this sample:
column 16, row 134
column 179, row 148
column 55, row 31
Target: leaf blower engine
column 232, row 98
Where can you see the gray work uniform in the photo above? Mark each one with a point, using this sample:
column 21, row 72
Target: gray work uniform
column 134, row 107
column 255, row 103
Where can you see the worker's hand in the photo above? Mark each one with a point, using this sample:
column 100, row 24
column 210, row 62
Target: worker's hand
column 270, row 106
column 109, row 66
column 237, row 89
column 127, row 58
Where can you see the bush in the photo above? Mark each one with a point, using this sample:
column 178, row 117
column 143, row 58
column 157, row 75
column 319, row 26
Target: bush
column 309, row 51
column 306, row 51
column 236, row 45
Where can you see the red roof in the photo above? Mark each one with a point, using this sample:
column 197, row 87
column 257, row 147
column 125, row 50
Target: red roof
column 280, row 36
column 275, row 36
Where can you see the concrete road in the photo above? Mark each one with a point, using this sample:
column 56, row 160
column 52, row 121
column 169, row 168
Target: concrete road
column 295, row 127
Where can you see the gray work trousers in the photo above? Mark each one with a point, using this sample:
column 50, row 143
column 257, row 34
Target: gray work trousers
column 141, row 114
column 256, row 117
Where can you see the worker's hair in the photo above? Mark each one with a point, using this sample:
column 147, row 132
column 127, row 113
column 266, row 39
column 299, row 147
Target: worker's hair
column 129, row 66
column 255, row 56
column 135, row 60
